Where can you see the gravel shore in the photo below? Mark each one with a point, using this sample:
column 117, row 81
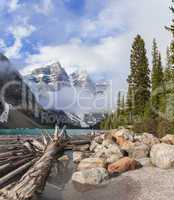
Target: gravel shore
column 147, row 183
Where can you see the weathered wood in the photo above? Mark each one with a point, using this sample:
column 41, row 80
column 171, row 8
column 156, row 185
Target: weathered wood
column 14, row 158
column 35, row 155
column 79, row 142
column 12, row 174
column 33, row 181
column 8, row 167
column 10, row 146
column 13, row 153
column 38, row 145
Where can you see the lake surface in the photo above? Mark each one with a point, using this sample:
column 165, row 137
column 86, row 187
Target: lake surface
column 37, row 132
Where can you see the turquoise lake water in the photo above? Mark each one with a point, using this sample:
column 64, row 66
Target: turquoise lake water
column 27, row 131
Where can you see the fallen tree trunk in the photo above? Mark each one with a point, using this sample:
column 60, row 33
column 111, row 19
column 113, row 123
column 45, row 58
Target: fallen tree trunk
column 14, row 173
column 33, row 181
column 8, row 167
column 36, row 156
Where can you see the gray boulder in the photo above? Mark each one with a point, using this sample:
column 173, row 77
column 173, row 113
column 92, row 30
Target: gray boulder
column 162, row 156
column 168, row 139
column 140, row 151
column 110, row 154
column 94, row 145
column 89, row 163
column 113, row 149
column 99, row 139
column 106, row 143
column 90, row 176
column 78, row 156
column 149, row 139
column 145, row 162
column 125, row 133
column 112, row 158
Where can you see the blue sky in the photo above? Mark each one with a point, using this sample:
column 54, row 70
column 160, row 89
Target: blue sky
column 91, row 34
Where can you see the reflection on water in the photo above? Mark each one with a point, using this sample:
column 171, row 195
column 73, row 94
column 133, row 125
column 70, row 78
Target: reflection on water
column 61, row 172
column 60, row 175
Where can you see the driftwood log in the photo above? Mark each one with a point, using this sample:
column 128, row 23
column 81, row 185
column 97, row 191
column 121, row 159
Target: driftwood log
column 25, row 164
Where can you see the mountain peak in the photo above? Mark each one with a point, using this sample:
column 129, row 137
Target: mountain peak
column 53, row 75
column 3, row 58
column 81, row 78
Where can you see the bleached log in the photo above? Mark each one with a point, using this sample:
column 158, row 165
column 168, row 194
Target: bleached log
column 38, row 145
column 44, row 140
column 79, row 142
column 56, row 133
column 13, row 153
column 9, row 147
column 34, row 180
column 14, row 173
column 14, row 158
column 6, row 168
column 62, row 133
column 29, row 146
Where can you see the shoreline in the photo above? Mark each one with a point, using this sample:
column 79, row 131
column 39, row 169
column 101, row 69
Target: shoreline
column 130, row 184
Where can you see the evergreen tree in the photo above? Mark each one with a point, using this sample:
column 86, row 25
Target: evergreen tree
column 157, row 77
column 168, row 69
column 139, row 76
column 118, row 104
column 168, row 58
column 155, row 67
column 169, row 73
column 122, row 105
column 171, row 29
column 129, row 104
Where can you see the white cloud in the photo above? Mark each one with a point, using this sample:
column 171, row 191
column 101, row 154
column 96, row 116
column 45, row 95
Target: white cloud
column 45, row 7
column 112, row 52
column 10, row 5
column 19, row 33
column 111, row 18
column 13, row 5
column 93, row 58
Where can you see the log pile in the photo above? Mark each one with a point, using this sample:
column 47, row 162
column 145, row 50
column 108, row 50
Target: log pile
column 26, row 164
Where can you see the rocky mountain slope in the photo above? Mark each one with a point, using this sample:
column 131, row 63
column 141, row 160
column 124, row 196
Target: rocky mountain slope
column 81, row 79
column 54, row 77
column 57, row 90
column 19, row 106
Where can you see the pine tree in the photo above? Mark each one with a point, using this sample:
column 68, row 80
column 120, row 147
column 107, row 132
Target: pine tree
column 171, row 29
column 129, row 104
column 139, row 76
column 169, row 74
column 118, row 104
column 155, row 62
column 168, row 68
column 122, row 105
column 157, row 77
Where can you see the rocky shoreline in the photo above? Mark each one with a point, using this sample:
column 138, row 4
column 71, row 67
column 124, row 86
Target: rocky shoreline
column 115, row 152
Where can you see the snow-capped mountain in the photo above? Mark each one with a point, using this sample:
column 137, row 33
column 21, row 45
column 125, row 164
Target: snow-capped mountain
column 52, row 76
column 56, row 90
column 81, row 79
